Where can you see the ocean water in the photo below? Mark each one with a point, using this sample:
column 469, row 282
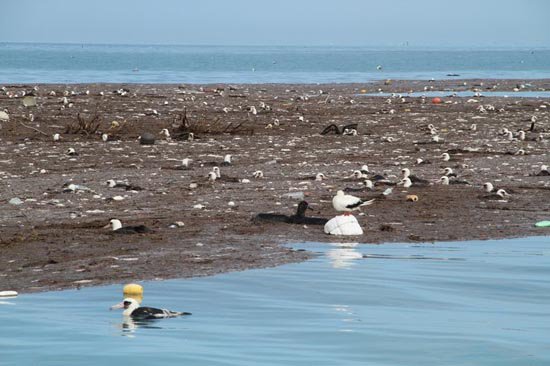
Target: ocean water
column 465, row 93
column 459, row 303
column 58, row 63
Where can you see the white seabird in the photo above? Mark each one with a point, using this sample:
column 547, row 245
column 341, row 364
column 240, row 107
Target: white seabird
column 347, row 203
column 226, row 160
column 405, row 182
column 132, row 309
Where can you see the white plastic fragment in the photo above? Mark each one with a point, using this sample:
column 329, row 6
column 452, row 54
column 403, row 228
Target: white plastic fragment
column 15, row 201
column 4, row 117
column 8, row 293
column 343, row 225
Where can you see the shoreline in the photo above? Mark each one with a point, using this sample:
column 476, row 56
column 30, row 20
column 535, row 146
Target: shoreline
column 56, row 240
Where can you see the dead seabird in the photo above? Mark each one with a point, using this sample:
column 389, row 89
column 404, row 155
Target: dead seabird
column 132, row 309
column 449, row 172
column 116, row 227
column 405, row 182
column 224, row 178
column 446, row 181
column 366, row 185
column 71, row 151
column 118, row 184
column 413, row 178
column 501, row 194
column 298, row 218
column 347, row 203
column 543, row 171
column 488, row 187
column 226, row 160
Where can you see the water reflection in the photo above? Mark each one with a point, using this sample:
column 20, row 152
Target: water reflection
column 129, row 326
column 344, row 255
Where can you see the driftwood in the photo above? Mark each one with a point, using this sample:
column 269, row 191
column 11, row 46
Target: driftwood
column 84, row 126
column 183, row 127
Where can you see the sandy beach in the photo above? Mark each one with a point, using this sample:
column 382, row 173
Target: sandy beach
column 53, row 239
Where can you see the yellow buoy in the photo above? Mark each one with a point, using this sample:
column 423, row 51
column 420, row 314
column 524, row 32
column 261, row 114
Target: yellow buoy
column 363, row 91
column 134, row 291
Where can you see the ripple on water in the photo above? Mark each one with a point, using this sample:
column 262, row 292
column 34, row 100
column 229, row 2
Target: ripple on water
column 482, row 303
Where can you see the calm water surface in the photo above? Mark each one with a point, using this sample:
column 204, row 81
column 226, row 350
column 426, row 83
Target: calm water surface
column 66, row 63
column 470, row 303
column 505, row 94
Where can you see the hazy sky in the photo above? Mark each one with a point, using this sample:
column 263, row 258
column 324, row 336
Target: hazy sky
column 281, row 22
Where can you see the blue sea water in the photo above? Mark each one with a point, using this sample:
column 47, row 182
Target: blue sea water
column 69, row 63
column 451, row 303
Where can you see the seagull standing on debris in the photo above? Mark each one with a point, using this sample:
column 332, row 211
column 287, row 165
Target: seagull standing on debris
column 347, row 203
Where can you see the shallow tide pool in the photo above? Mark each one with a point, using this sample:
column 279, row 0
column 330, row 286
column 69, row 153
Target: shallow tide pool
column 468, row 303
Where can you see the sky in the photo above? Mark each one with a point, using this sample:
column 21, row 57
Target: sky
column 458, row 23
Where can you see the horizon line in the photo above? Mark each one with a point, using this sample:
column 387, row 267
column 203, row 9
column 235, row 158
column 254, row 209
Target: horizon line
column 394, row 46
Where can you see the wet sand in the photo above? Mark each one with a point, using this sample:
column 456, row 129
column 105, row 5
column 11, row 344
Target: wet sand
column 56, row 240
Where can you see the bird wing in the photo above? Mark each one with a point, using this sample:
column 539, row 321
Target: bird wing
column 148, row 313
column 349, row 201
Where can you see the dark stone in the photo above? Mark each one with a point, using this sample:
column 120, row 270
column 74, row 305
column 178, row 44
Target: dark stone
column 147, row 139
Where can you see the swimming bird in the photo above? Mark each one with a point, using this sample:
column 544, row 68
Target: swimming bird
column 348, row 203
column 132, row 309
column 116, row 227
column 298, row 218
